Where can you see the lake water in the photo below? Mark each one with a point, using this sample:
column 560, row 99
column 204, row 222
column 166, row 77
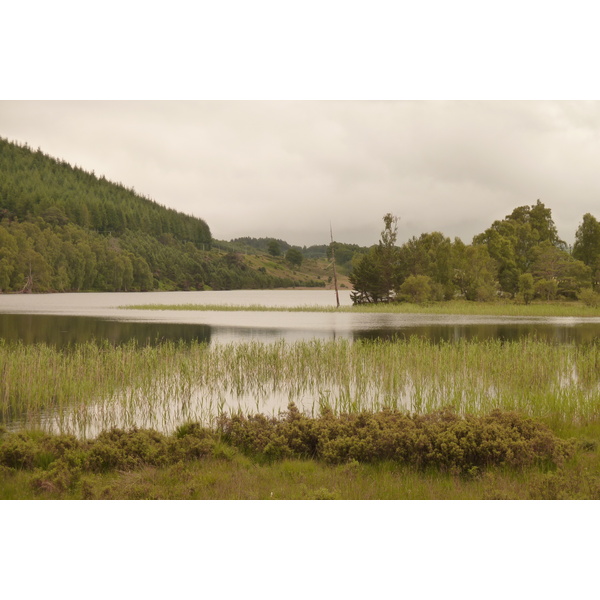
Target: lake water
column 62, row 319
column 65, row 319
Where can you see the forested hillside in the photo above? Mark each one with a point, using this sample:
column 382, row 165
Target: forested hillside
column 65, row 229
column 33, row 184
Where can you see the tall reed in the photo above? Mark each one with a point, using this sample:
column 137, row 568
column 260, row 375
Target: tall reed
column 94, row 386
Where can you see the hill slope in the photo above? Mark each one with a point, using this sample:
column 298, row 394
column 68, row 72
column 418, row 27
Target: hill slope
column 33, row 184
column 65, row 229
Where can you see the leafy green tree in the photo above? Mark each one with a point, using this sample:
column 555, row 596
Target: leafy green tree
column 540, row 220
column 294, row 257
column 142, row 276
column 387, row 254
column 35, row 271
column 8, row 257
column 589, row 297
column 526, row 288
column 375, row 275
column 430, row 255
column 512, row 242
column 474, row 271
column 6, row 269
column 552, row 263
column 502, row 248
column 587, row 246
column 367, row 280
column 547, row 289
column 416, row 288
column 273, row 248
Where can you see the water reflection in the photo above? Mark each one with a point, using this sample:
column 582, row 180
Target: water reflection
column 62, row 331
column 64, row 319
column 579, row 333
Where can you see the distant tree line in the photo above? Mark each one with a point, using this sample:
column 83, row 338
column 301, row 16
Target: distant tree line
column 272, row 246
column 520, row 256
column 38, row 257
column 344, row 253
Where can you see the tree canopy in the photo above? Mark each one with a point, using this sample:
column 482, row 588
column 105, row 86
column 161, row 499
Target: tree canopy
column 374, row 276
column 587, row 246
column 36, row 185
column 519, row 256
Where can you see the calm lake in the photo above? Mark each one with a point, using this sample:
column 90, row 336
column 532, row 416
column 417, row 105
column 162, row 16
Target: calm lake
column 62, row 319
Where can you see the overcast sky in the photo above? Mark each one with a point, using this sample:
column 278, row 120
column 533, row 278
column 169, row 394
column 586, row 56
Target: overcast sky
column 286, row 169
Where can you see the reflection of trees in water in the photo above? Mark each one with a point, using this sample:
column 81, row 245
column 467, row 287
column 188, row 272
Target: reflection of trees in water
column 61, row 330
column 555, row 334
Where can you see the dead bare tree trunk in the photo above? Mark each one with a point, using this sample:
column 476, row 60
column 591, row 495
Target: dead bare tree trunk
column 28, row 282
column 337, row 296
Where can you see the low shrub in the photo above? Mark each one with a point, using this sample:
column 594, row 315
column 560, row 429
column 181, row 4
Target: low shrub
column 128, row 450
column 19, row 451
column 562, row 485
column 441, row 439
column 115, row 449
column 589, row 297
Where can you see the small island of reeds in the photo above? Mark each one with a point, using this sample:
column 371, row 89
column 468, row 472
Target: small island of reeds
column 452, row 307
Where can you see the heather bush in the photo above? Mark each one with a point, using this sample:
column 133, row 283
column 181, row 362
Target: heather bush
column 192, row 429
column 59, row 457
column 127, row 450
column 60, row 475
column 18, row 451
column 561, row 485
column 441, row 439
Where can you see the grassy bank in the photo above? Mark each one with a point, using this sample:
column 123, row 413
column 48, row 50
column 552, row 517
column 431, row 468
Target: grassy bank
column 455, row 307
column 386, row 455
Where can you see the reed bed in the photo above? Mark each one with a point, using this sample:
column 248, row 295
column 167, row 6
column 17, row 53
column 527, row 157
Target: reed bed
column 455, row 307
column 90, row 387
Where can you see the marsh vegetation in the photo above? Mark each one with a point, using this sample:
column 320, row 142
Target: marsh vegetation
column 386, row 454
column 451, row 307
column 86, row 388
column 371, row 418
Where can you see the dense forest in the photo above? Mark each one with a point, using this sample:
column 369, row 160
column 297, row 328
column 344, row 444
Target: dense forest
column 65, row 229
column 519, row 257
column 33, row 184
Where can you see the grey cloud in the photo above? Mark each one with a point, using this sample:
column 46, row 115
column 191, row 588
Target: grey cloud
column 286, row 169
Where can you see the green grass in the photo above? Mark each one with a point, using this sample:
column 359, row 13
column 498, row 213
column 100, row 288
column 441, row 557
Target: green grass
column 455, row 307
column 240, row 479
